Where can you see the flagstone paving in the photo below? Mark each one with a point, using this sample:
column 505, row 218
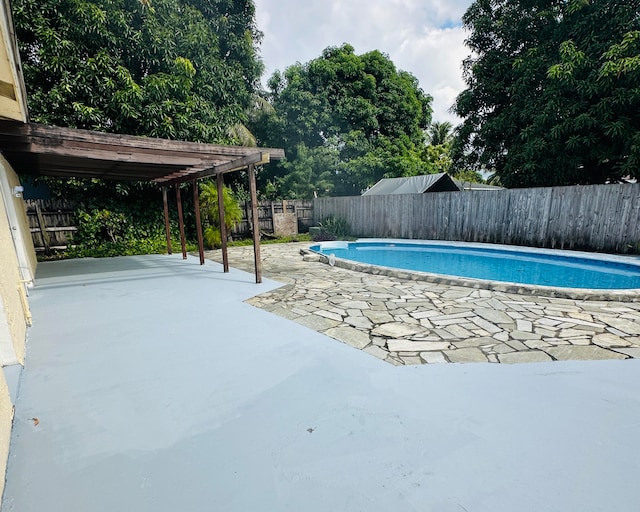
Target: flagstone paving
column 418, row 322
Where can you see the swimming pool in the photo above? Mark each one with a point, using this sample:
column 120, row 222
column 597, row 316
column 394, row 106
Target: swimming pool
column 492, row 266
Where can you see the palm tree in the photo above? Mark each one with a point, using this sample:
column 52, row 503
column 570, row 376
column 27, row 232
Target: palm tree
column 439, row 133
column 211, row 215
column 240, row 132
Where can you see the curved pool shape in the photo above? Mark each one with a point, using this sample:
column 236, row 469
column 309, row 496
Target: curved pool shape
column 494, row 263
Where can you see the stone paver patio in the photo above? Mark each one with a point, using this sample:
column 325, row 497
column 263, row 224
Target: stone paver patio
column 417, row 322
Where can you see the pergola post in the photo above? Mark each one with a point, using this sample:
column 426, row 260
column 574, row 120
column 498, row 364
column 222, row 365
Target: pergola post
column 255, row 222
column 223, row 225
column 167, row 225
column 196, row 202
column 181, row 222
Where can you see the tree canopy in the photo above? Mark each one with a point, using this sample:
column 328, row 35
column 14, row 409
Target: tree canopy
column 553, row 91
column 345, row 121
column 176, row 69
column 179, row 69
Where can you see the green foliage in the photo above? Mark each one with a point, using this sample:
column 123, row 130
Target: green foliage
column 124, row 248
column 345, row 121
column 438, row 157
column 112, row 216
column 470, row 176
column 310, row 174
column 439, row 133
column 333, row 228
column 105, row 233
column 210, row 213
column 99, row 226
column 553, row 91
column 212, row 237
column 179, row 69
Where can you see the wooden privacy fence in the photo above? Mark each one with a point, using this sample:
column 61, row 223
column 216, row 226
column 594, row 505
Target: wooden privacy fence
column 593, row 218
column 51, row 222
column 268, row 210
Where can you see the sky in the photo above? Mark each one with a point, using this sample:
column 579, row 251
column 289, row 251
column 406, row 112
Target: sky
column 423, row 37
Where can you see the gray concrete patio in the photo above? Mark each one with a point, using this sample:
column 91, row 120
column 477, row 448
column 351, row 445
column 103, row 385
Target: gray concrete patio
column 151, row 385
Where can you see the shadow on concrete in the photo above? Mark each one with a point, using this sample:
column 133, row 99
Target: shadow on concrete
column 92, row 271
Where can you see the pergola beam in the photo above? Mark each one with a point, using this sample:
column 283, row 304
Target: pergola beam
column 55, row 136
column 113, row 154
column 259, row 157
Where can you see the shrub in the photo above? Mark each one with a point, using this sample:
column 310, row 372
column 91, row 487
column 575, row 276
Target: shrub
column 210, row 214
column 98, row 226
column 212, row 238
column 333, row 228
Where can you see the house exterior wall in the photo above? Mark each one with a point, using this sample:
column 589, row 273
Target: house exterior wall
column 12, row 271
column 19, row 220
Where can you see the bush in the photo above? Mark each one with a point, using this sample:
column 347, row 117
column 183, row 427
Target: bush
column 212, row 237
column 106, row 233
column 118, row 219
column 123, row 248
column 333, row 228
column 98, row 226
column 210, row 214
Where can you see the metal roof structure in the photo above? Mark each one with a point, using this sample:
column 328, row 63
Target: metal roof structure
column 441, row 182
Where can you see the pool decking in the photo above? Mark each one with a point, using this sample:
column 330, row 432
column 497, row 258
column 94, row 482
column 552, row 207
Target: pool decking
column 156, row 388
column 403, row 321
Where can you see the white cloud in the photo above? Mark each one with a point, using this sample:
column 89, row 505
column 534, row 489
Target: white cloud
column 422, row 37
column 435, row 58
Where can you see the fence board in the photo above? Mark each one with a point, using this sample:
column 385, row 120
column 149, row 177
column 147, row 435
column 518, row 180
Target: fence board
column 59, row 224
column 595, row 217
column 55, row 223
column 302, row 208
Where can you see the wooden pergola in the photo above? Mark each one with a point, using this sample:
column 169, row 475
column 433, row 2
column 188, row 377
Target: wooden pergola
column 38, row 150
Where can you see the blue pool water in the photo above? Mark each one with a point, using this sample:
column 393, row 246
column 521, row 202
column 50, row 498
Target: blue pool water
column 523, row 266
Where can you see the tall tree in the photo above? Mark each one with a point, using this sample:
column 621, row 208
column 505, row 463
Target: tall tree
column 368, row 117
column 183, row 69
column 553, row 91
column 177, row 69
